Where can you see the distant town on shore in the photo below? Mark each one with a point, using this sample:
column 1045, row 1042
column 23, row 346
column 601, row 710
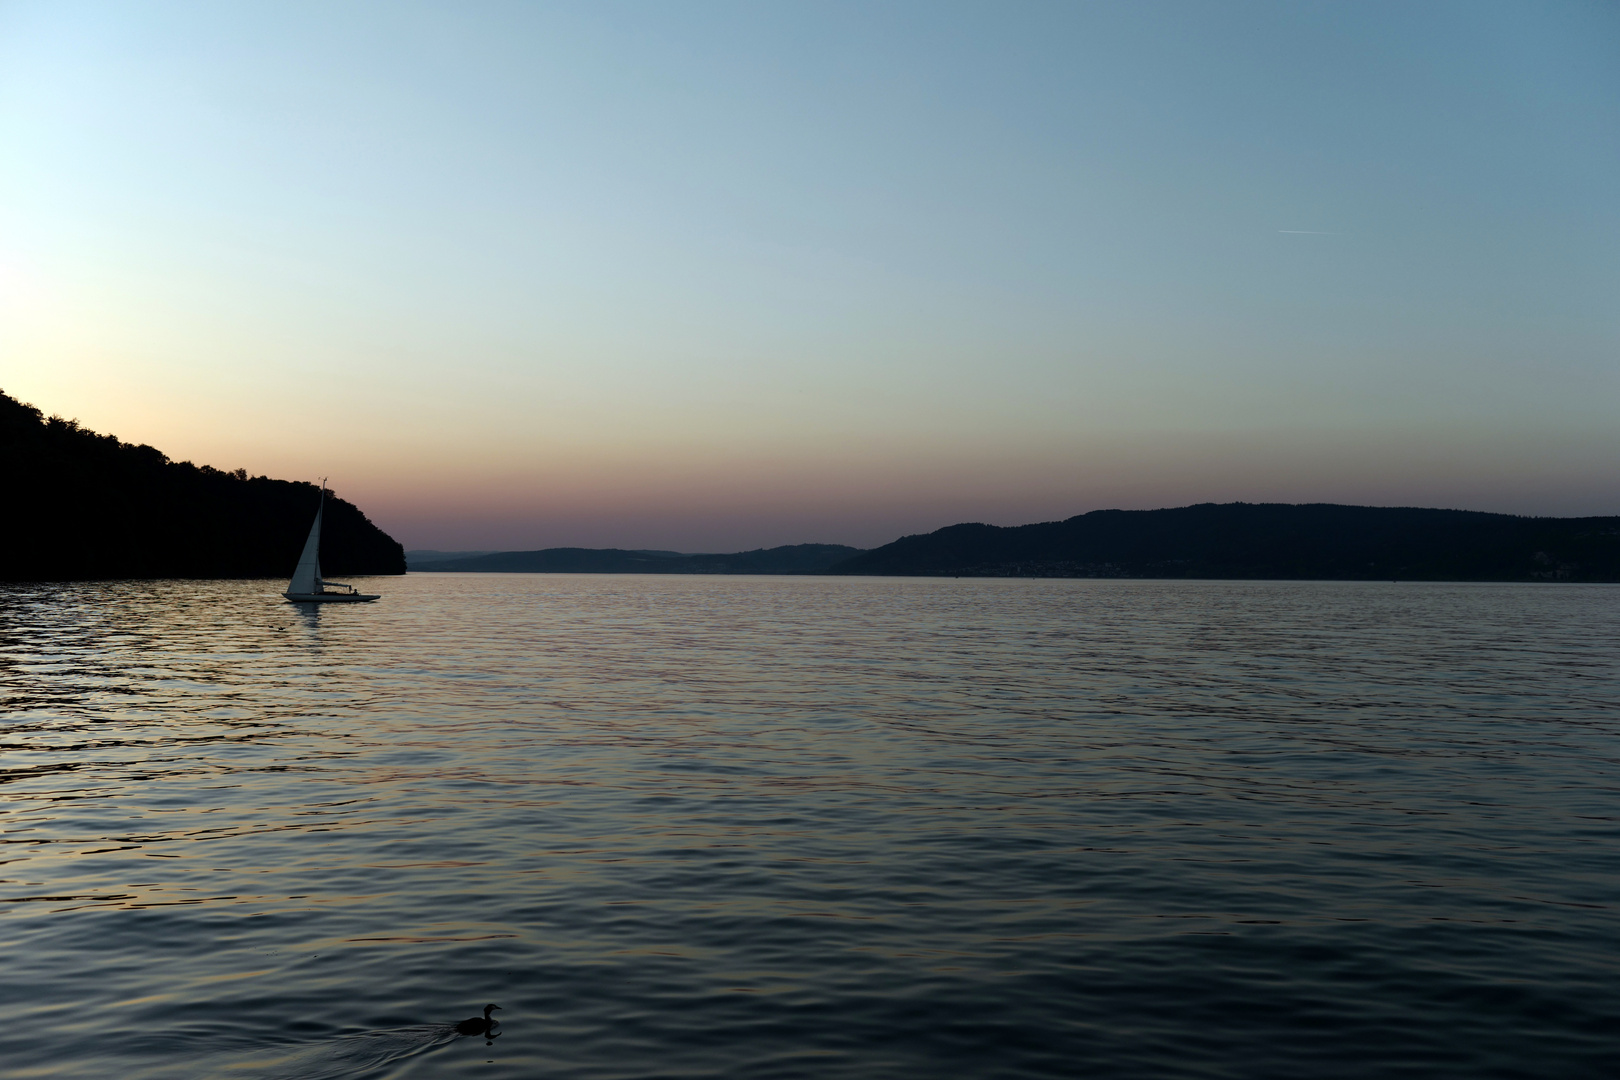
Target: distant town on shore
column 101, row 509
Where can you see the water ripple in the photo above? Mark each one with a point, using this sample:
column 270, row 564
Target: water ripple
column 805, row 827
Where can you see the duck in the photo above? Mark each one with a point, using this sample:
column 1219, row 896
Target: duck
column 477, row 1025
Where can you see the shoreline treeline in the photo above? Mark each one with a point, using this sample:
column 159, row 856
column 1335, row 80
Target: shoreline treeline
column 86, row 506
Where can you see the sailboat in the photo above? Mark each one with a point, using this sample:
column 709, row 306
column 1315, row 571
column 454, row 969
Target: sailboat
column 306, row 586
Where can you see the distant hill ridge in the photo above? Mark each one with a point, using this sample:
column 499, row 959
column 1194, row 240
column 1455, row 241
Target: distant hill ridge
column 1321, row 541
column 87, row 506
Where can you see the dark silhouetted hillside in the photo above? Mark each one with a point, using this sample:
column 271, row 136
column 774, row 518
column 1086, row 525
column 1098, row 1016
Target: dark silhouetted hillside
column 82, row 505
column 1266, row 540
column 793, row 559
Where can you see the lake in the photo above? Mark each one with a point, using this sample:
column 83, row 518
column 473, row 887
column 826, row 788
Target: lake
column 810, row 827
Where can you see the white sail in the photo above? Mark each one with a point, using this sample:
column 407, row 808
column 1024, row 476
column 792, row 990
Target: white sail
column 307, row 578
column 306, row 586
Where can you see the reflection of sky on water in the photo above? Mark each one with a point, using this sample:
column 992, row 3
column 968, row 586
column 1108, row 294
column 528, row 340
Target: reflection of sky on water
column 752, row 826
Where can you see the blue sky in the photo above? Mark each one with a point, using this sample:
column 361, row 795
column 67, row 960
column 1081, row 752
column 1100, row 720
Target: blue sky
column 710, row 276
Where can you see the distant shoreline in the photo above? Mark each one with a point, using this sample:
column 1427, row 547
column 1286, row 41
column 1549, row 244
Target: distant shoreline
column 1003, row 577
column 1212, row 542
column 791, row 559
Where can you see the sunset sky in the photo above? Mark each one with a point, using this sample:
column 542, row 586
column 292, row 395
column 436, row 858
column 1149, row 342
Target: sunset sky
column 714, row 276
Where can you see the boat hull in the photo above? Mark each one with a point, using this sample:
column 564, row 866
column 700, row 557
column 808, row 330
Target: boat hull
column 331, row 598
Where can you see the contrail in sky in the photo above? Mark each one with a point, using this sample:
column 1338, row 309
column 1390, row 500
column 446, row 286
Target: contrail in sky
column 1306, row 232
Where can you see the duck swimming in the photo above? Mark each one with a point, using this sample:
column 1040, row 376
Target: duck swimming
column 477, row 1025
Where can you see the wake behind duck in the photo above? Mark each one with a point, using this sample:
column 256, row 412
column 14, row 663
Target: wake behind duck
column 342, row 1057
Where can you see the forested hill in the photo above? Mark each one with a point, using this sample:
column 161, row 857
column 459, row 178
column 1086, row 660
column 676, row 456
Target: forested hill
column 82, row 505
column 1266, row 540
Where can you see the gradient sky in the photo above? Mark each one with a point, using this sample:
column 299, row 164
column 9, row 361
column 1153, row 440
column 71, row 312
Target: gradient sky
column 715, row 276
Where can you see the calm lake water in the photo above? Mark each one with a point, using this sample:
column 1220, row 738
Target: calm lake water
column 810, row 827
